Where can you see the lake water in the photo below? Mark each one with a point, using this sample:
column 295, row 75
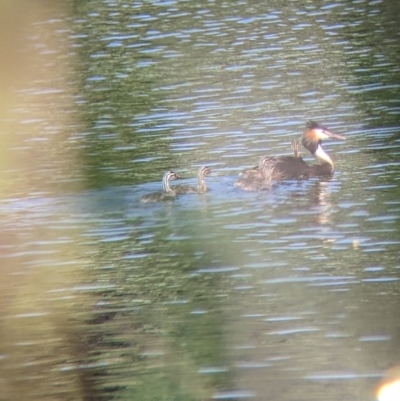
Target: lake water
column 287, row 294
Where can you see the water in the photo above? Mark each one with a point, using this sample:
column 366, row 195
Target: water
column 283, row 294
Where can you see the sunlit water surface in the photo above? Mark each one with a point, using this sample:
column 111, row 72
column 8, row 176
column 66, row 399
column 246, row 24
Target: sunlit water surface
column 287, row 294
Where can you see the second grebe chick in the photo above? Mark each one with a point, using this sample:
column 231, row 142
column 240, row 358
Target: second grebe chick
column 201, row 183
column 167, row 194
column 254, row 183
column 295, row 148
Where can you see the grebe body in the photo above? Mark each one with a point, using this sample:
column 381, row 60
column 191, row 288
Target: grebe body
column 167, row 194
column 256, row 173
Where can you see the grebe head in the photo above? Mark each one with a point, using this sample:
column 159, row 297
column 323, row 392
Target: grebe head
column 263, row 161
column 203, row 171
column 312, row 138
column 201, row 184
column 168, row 176
column 316, row 133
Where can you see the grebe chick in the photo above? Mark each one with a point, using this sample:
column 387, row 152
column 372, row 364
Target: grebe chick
column 167, row 194
column 254, row 183
column 295, row 147
column 201, row 183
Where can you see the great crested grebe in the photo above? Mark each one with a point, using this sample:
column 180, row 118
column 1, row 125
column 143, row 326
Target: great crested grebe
column 168, row 193
column 266, row 169
column 294, row 167
column 201, row 183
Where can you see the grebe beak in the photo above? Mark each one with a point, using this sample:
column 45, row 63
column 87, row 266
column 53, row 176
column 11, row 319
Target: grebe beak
column 332, row 135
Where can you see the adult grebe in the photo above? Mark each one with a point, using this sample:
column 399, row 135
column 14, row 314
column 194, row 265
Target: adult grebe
column 294, row 167
column 201, row 183
column 167, row 194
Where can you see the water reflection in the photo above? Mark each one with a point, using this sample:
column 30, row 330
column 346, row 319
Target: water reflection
column 287, row 294
column 319, row 195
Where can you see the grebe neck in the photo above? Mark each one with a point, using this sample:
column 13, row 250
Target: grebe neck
column 201, row 183
column 321, row 157
column 165, row 183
